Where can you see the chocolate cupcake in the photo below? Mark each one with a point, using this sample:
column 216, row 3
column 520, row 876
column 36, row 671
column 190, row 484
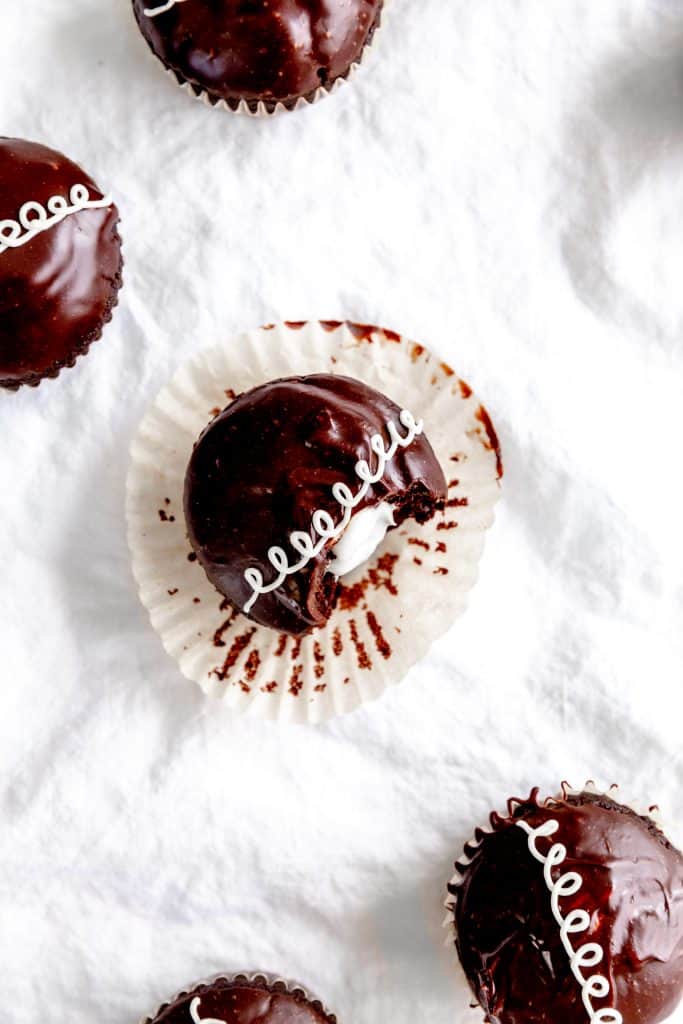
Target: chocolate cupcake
column 295, row 484
column 243, row 999
column 571, row 910
column 261, row 55
column 60, row 262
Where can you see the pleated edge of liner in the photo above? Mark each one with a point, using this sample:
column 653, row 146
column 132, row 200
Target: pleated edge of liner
column 613, row 792
column 261, row 110
column 273, row 982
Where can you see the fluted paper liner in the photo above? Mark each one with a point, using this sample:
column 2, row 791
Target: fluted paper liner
column 272, row 981
column 260, row 109
column 389, row 611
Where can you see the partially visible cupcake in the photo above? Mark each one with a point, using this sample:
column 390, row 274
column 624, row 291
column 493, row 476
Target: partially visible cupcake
column 60, row 262
column 263, row 54
column 243, row 999
column 294, row 486
column 570, row 910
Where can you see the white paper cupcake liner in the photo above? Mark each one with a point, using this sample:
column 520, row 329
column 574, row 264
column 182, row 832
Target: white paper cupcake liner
column 273, row 981
column 260, row 109
column 614, row 792
column 389, row 611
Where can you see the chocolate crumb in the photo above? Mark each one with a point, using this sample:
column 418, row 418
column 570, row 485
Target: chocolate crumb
column 441, row 548
column 362, row 656
column 218, row 640
column 453, row 483
column 196, row 600
column 447, row 525
column 319, row 657
column 192, row 557
column 465, row 389
column 252, row 665
column 418, row 561
column 281, row 645
column 269, row 687
column 441, row 570
column 172, row 593
column 337, row 645
column 380, row 640
column 418, row 542
column 236, row 649
column 295, row 682
column 320, row 688
column 457, row 503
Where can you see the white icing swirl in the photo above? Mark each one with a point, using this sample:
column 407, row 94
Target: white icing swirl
column 194, row 1014
column 35, row 218
column 323, row 525
column 595, row 986
column 152, row 12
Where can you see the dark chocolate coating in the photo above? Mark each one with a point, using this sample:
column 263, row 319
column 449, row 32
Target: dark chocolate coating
column 267, row 462
column 259, row 50
column 58, row 289
column 509, row 942
column 243, row 1001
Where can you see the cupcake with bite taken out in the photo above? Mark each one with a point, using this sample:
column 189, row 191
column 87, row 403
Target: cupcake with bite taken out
column 294, row 486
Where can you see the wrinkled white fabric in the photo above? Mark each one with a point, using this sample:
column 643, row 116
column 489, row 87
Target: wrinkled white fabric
column 504, row 183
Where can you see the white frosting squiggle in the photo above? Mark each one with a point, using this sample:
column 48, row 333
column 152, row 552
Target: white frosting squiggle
column 323, row 525
column 35, row 218
column 194, row 1014
column 596, row 986
column 152, row 12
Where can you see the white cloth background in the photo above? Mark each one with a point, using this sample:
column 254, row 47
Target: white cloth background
column 504, row 183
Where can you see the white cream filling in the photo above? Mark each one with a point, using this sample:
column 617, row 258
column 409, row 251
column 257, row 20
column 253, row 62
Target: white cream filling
column 361, row 538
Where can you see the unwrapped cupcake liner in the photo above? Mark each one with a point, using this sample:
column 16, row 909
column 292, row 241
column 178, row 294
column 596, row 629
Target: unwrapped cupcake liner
column 272, row 981
column 613, row 792
column 390, row 610
column 260, row 108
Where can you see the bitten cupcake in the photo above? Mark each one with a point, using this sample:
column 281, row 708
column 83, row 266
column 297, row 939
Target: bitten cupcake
column 262, row 54
column 243, row 1000
column 570, row 910
column 294, row 486
column 60, row 262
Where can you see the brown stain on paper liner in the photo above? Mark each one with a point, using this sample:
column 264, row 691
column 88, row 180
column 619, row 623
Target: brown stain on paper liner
column 239, row 644
column 380, row 640
column 362, row 656
column 493, row 444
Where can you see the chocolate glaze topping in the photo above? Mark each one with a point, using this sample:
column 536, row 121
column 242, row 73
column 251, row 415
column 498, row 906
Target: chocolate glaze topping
column 245, row 1001
column 632, row 888
column 268, row 461
column 268, row 50
column 59, row 288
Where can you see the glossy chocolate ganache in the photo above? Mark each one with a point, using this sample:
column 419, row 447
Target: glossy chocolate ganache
column 270, row 51
column 60, row 262
column 617, row 883
column 273, row 462
column 243, row 1001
